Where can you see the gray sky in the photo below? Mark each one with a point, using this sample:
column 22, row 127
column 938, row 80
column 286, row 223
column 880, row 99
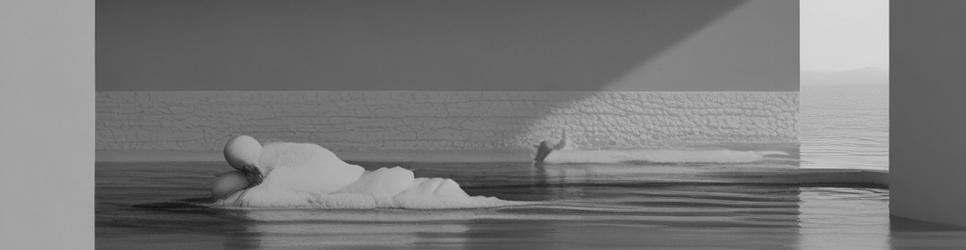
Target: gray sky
column 840, row 35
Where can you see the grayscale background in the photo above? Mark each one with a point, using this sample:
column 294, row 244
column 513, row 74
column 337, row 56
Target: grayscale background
column 446, row 75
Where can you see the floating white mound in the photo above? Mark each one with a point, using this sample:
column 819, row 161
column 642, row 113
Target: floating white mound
column 302, row 175
column 657, row 156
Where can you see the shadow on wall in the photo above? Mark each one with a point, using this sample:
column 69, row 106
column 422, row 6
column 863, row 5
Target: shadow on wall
column 466, row 75
column 431, row 45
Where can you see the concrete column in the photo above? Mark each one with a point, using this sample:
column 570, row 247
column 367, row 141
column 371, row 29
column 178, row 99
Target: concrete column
column 928, row 110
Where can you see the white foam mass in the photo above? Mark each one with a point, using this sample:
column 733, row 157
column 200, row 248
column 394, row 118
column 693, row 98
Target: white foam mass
column 657, row 156
column 303, row 175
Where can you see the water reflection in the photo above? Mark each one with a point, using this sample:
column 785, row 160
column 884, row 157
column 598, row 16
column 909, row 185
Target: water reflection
column 593, row 216
column 575, row 206
column 907, row 234
column 844, row 218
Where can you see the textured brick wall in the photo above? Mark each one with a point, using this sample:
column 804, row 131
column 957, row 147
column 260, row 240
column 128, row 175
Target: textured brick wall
column 441, row 120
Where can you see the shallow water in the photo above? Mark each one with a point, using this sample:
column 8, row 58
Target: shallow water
column 575, row 207
column 645, row 205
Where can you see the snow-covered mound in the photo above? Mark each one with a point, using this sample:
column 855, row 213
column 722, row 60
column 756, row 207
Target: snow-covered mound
column 303, row 175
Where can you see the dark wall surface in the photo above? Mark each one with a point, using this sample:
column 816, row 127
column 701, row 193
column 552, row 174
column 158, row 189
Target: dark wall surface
column 927, row 142
column 682, row 45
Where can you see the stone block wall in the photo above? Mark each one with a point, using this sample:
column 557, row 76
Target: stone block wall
column 441, row 120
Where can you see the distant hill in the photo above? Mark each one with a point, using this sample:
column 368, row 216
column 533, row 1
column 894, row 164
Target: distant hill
column 849, row 77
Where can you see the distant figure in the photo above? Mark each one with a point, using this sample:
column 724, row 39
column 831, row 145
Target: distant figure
column 544, row 148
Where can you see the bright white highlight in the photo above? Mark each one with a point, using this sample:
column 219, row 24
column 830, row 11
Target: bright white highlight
column 242, row 152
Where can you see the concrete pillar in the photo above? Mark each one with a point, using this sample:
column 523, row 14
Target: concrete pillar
column 928, row 110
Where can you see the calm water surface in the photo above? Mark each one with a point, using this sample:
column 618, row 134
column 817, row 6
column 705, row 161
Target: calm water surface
column 577, row 207
column 844, row 126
